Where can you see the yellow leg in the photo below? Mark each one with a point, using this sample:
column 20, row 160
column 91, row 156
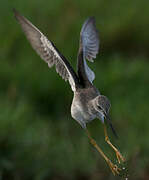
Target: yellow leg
column 118, row 154
column 115, row 170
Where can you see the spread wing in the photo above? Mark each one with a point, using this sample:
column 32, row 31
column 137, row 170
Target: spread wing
column 47, row 51
column 89, row 41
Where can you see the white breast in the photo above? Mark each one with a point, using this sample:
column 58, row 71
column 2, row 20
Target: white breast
column 81, row 114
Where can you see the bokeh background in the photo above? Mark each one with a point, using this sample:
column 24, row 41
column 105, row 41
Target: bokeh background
column 39, row 140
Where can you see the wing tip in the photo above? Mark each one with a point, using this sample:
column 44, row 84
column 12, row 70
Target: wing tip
column 14, row 10
column 18, row 16
column 92, row 19
column 89, row 26
column 16, row 13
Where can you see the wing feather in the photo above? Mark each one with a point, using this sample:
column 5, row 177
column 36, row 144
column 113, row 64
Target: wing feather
column 89, row 41
column 47, row 51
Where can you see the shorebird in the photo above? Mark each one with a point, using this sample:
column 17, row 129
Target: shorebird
column 87, row 103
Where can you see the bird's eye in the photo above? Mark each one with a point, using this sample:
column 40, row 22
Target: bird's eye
column 99, row 107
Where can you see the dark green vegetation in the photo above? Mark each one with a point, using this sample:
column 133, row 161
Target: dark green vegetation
column 38, row 138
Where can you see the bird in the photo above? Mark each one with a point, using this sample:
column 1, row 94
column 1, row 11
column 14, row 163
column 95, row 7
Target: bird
column 88, row 103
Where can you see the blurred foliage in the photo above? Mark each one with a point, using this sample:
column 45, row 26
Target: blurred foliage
column 38, row 138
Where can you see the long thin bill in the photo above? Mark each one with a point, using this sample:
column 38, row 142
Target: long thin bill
column 110, row 123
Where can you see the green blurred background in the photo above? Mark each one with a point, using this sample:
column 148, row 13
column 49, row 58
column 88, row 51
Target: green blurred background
column 39, row 140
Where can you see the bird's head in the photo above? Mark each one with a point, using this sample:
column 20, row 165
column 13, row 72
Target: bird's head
column 102, row 106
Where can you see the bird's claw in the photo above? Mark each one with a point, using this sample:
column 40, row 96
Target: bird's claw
column 114, row 168
column 119, row 157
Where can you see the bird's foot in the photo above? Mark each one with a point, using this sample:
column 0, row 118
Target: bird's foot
column 114, row 168
column 118, row 154
column 119, row 157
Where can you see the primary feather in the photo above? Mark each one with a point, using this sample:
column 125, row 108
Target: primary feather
column 89, row 40
column 47, row 51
